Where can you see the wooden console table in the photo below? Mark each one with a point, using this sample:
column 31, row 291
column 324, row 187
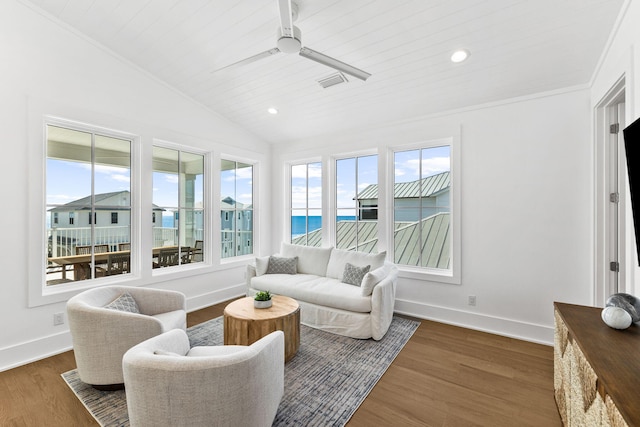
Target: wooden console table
column 596, row 369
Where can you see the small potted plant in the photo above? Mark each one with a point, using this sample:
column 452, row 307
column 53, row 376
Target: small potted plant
column 262, row 299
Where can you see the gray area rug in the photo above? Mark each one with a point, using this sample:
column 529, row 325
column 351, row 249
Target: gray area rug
column 324, row 384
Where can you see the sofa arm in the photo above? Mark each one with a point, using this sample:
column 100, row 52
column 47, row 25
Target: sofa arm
column 251, row 273
column 382, row 304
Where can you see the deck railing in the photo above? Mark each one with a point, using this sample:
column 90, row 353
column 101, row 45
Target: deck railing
column 63, row 241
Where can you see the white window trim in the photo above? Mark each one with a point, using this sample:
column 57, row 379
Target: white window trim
column 333, row 202
column 452, row 275
column 207, row 217
column 38, row 292
column 287, row 197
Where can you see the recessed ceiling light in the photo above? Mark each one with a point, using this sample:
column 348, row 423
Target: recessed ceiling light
column 272, row 110
column 460, row 55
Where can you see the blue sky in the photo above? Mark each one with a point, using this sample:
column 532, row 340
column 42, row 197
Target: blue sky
column 68, row 181
column 406, row 168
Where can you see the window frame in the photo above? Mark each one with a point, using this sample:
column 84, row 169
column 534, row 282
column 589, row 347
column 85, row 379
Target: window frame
column 217, row 225
column 334, row 196
column 38, row 291
column 289, row 200
column 206, row 209
column 453, row 274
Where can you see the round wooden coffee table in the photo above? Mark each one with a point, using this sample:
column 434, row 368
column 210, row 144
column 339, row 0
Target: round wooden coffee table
column 244, row 324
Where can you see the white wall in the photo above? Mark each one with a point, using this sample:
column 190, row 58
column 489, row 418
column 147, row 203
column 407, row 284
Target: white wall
column 620, row 60
column 529, row 247
column 46, row 68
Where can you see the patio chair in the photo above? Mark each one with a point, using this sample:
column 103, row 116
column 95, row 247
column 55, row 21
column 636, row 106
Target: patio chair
column 197, row 254
column 118, row 264
column 167, row 257
column 82, row 270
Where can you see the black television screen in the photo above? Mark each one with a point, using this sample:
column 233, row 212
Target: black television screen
column 632, row 149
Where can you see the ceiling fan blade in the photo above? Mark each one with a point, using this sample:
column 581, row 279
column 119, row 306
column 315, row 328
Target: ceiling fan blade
column 286, row 17
column 334, row 63
column 250, row 59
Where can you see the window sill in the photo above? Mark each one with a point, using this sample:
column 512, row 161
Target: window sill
column 428, row 274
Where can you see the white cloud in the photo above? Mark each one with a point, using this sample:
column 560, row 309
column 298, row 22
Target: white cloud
column 430, row 166
column 120, row 178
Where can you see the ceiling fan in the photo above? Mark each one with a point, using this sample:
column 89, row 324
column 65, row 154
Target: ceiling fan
column 289, row 40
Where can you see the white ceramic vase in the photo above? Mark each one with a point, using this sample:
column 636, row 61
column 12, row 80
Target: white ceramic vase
column 262, row 304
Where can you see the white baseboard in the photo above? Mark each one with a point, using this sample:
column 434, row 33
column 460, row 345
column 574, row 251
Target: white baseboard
column 481, row 322
column 41, row 348
column 214, row 297
column 31, row 351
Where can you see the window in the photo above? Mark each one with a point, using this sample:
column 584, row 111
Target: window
column 236, row 208
column 306, row 204
column 178, row 194
column 357, row 204
column 114, row 217
column 86, row 170
column 422, row 207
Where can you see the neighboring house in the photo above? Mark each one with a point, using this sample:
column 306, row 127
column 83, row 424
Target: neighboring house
column 431, row 192
column 71, row 223
column 433, row 228
column 236, row 226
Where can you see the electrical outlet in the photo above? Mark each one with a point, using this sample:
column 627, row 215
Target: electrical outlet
column 58, row 319
column 472, row 300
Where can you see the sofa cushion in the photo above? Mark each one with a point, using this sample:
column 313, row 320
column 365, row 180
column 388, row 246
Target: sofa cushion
column 124, row 302
column 316, row 290
column 371, row 279
column 353, row 275
column 311, row 260
column 282, row 265
column 262, row 263
column 340, row 257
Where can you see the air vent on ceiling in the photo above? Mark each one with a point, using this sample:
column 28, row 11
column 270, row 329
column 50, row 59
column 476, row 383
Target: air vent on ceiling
column 332, row 80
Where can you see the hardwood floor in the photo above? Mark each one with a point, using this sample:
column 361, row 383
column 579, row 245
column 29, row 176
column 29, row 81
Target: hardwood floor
column 444, row 376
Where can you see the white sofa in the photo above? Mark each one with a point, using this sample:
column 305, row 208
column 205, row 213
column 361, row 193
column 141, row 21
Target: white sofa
column 326, row 302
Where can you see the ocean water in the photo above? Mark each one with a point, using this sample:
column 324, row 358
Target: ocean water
column 315, row 222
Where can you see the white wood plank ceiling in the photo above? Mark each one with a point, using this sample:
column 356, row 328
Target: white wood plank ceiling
column 518, row 47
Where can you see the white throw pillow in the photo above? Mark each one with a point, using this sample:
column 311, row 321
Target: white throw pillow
column 311, row 260
column 262, row 263
column 371, row 279
column 340, row 257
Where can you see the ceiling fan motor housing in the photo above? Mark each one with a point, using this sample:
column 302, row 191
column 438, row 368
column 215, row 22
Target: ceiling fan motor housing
column 290, row 44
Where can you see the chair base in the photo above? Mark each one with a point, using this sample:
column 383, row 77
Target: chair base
column 108, row 387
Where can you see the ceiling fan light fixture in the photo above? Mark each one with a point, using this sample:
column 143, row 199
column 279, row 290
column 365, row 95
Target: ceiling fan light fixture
column 290, row 44
column 460, row 55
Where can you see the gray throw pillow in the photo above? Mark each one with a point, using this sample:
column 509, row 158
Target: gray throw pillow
column 279, row 265
column 124, row 302
column 353, row 275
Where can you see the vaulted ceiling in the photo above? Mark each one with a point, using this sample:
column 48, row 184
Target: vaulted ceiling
column 518, row 47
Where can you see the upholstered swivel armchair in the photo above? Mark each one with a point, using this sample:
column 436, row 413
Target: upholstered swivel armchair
column 169, row 384
column 102, row 335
